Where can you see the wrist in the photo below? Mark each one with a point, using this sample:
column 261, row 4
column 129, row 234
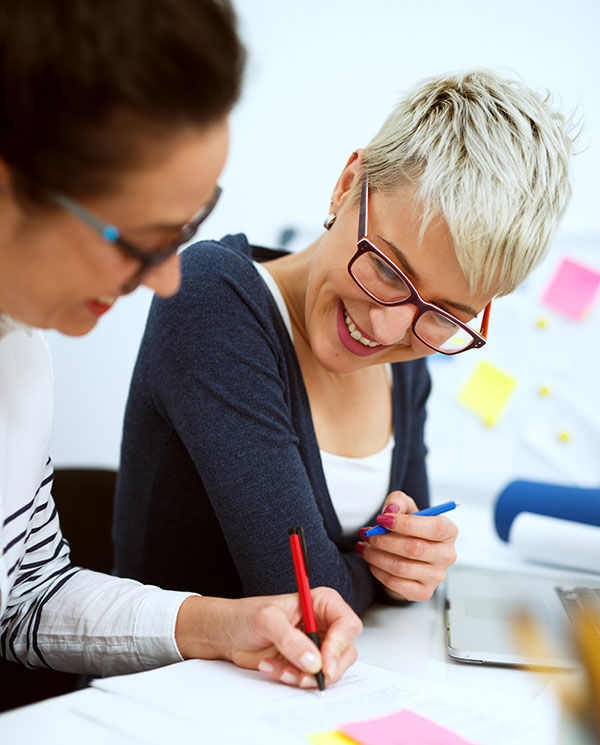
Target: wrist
column 201, row 628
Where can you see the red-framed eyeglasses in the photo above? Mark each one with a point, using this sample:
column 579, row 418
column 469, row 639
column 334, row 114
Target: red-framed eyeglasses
column 385, row 283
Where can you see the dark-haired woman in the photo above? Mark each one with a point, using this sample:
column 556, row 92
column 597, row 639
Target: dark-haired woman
column 113, row 132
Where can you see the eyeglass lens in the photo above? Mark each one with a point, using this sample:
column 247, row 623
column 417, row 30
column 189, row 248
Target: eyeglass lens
column 379, row 279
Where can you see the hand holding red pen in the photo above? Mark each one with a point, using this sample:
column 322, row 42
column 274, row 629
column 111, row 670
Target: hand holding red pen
column 263, row 633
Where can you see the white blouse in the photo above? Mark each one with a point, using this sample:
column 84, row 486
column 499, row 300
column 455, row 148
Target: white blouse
column 357, row 486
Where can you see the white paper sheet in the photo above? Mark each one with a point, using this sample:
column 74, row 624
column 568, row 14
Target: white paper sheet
column 243, row 705
column 119, row 717
column 550, row 540
column 55, row 722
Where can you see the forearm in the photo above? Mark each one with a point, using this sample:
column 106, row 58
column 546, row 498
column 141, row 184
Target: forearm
column 100, row 625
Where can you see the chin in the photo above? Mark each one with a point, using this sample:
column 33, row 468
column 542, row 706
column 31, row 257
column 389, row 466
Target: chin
column 72, row 327
column 344, row 362
column 408, row 354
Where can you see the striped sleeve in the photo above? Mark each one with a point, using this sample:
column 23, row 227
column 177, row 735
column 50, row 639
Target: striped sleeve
column 37, row 560
column 73, row 619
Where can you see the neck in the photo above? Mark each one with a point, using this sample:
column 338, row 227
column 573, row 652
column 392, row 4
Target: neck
column 292, row 273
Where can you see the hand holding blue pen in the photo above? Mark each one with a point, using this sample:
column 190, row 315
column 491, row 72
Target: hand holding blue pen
column 437, row 510
column 413, row 556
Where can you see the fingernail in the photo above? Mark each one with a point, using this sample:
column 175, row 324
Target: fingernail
column 391, row 507
column 308, row 681
column 360, row 547
column 289, row 678
column 361, row 534
column 265, row 667
column 310, row 662
column 332, row 669
column 386, row 521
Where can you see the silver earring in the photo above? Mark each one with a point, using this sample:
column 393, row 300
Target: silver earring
column 328, row 221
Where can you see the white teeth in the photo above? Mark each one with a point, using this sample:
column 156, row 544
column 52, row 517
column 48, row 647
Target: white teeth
column 355, row 333
column 106, row 299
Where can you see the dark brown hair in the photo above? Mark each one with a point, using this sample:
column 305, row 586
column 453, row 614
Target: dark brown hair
column 85, row 84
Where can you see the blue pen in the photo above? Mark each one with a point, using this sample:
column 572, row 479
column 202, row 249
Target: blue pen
column 437, row 510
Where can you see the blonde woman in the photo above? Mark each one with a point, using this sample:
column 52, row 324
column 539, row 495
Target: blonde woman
column 293, row 391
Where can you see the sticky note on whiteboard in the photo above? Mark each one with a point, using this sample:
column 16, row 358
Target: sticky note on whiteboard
column 487, row 391
column 573, row 289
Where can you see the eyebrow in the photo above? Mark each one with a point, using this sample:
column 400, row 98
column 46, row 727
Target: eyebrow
column 403, row 261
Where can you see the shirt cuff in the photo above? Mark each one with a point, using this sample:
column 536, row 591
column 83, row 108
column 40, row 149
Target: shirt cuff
column 155, row 628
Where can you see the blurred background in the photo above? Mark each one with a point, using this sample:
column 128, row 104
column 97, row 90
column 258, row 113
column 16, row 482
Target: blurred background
column 321, row 78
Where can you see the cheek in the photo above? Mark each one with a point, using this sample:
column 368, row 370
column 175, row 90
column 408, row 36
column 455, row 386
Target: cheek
column 67, row 264
column 415, row 351
column 93, row 264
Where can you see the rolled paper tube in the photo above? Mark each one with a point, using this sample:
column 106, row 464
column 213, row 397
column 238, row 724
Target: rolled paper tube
column 578, row 504
column 551, row 540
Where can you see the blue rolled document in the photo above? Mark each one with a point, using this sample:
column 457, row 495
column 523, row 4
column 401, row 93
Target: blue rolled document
column 577, row 504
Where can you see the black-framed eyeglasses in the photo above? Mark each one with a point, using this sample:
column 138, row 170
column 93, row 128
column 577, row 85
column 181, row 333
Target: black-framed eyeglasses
column 112, row 234
column 379, row 277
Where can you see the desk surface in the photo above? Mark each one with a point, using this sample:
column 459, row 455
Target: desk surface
column 409, row 640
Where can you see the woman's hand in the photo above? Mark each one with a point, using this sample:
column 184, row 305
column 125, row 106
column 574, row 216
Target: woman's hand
column 411, row 560
column 262, row 633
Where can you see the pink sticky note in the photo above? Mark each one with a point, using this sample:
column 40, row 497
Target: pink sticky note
column 402, row 728
column 572, row 289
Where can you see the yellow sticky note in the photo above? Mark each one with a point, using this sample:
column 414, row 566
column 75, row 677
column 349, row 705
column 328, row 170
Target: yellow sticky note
column 329, row 738
column 487, row 392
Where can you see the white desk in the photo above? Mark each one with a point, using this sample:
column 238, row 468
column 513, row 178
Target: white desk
column 409, row 640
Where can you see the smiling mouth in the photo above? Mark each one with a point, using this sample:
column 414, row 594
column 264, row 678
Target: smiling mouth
column 106, row 299
column 100, row 305
column 355, row 333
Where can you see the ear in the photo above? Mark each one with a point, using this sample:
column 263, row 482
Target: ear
column 349, row 177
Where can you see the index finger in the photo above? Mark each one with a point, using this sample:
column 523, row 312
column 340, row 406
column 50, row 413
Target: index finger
column 339, row 626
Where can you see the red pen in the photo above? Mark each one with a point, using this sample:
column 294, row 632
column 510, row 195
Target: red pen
column 302, row 571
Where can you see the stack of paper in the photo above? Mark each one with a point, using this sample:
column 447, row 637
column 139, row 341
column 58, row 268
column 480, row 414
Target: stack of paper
column 228, row 704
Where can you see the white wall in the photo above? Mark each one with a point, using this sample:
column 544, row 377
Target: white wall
column 321, row 78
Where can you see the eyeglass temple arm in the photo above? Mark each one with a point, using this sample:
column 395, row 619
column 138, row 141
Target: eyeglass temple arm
column 109, row 232
column 485, row 320
column 363, row 217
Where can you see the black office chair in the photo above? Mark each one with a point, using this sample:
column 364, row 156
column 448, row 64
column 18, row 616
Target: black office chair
column 84, row 497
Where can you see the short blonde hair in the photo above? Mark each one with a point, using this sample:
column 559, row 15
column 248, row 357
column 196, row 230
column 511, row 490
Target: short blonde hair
column 489, row 155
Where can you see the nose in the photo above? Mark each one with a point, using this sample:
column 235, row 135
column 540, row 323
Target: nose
column 392, row 324
column 165, row 278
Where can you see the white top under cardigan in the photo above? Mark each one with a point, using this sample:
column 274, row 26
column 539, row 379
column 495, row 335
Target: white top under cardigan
column 357, row 486
column 53, row 614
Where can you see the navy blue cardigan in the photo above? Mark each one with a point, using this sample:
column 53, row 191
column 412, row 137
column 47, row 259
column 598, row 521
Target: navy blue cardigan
column 219, row 454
